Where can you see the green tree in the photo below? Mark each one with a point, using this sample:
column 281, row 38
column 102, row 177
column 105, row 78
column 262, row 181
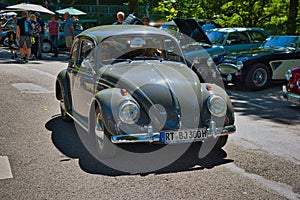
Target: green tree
column 292, row 17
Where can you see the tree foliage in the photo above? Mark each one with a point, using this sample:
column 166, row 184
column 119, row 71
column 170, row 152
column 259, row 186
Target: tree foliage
column 246, row 13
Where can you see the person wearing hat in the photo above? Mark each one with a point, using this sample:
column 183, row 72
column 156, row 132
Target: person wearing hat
column 41, row 34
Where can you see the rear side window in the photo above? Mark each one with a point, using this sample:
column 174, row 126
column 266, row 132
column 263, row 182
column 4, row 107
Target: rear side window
column 257, row 36
column 238, row 38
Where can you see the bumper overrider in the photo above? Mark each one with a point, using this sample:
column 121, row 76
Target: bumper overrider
column 176, row 136
column 228, row 70
column 291, row 97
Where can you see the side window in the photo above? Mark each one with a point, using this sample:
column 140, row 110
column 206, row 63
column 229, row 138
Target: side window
column 86, row 57
column 74, row 50
column 233, row 38
column 256, row 36
column 85, row 49
column 244, row 38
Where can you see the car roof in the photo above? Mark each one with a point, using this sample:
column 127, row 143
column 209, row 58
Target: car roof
column 101, row 32
column 235, row 29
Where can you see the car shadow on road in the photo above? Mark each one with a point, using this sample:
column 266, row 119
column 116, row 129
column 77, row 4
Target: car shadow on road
column 67, row 140
column 264, row 104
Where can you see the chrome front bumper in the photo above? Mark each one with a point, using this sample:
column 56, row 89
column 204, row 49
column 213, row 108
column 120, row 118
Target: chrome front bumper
column 156, row 137
column 291, row 97
column 228, row 70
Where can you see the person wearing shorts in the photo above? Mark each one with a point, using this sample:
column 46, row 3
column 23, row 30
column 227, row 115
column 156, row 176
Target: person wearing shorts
column 68, row 30
column 24, row 37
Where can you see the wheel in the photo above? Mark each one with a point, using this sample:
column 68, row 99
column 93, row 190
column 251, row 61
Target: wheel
column 63, row 111
column 47, row 46
column 257, row 77
column 103, row 146
column 221, row 142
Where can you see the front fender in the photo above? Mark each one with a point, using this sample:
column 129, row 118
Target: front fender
column 109, row 101
column 62, row 89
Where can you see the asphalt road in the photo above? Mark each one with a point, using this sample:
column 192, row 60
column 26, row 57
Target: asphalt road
column 42, row 157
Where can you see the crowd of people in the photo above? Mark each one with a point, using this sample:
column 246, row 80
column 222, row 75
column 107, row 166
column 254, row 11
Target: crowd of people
column 27, row 34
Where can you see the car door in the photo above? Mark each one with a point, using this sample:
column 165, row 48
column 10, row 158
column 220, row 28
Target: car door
column 82, row 84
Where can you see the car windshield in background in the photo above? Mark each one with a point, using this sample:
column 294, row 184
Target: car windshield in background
column 216, row 37
column 281, row 42
column 130, row 48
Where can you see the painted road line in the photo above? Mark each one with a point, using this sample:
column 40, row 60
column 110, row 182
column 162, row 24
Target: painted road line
column 5, row 171
column 247, row 102
column 36, row 70
column 282, row 189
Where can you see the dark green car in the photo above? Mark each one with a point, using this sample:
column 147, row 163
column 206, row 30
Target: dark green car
column 132, row 84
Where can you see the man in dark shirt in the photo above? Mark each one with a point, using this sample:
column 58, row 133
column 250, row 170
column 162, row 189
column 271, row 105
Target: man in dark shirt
column 23, row 35
column 42, row 33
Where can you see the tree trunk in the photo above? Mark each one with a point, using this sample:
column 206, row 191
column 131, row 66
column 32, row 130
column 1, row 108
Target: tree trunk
column 292, row 23
column 133, row 7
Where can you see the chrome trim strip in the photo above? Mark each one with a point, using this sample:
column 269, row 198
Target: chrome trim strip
column 155, row 137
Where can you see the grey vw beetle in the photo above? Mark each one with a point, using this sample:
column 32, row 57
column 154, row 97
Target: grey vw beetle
column 130, row 84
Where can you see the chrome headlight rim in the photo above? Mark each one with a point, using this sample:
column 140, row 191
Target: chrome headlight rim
column 210, row 62
column 288, row 75
column 239, row 65
column 129, row 112
column 217, row 105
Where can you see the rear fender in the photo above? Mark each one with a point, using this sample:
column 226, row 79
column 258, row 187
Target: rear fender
column 62, row 87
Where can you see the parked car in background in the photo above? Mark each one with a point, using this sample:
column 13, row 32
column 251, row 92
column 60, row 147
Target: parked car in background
column 130, row 84
column 217, row 42
column 79, row 26
column 291, row 91
column 256, row 68
column 237, row 39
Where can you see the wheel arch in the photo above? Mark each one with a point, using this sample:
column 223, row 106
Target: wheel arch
column 62, row 87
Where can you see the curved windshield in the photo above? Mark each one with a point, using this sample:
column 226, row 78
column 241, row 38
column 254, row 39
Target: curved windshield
column 282, row 42
column 139, row 47
column 216, row 37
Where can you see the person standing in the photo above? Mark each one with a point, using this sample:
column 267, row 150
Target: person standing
column 35, row 36
column 68, row 30
column 53, row 34
column 146, row 21
column 12, row 42
column 41, row 34
column 23, row 35
column 120, row 19
column 14, row 23
column 208, row 25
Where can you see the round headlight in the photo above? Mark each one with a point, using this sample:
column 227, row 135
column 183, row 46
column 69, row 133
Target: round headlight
column 129, row 112
column 210, row 62
column 217, row 106
column 239, row 64
column 288, row 75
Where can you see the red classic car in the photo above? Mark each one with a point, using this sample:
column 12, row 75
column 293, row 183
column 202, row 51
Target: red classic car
column 291, row 91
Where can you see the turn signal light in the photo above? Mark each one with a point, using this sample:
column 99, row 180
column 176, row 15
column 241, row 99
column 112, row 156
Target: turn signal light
column 123, row 92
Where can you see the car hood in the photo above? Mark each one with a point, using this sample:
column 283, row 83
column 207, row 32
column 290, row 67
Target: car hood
column 192, row 29
column 167, row 91
column 253, row 54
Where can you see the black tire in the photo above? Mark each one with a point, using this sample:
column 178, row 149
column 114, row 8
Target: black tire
column 103, row 145
column 221, row 142
column 257, row 77
column 47, row 46
column 63, row 111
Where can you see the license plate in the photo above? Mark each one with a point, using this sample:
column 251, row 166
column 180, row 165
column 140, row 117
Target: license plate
column 183, row 136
